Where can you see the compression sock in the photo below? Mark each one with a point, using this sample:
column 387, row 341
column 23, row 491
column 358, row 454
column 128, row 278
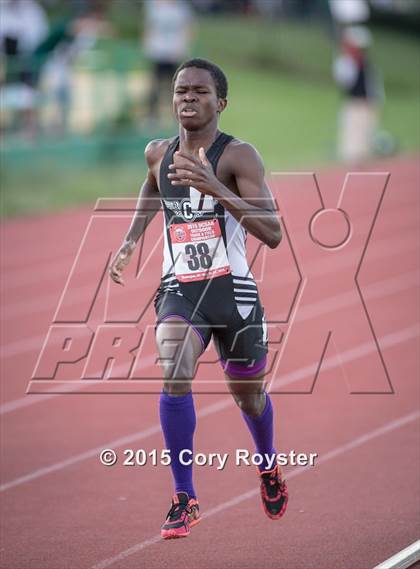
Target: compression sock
column 177, row 417
column 261, row 429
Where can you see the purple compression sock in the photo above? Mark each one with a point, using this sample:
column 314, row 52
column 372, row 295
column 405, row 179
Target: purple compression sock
column 261, row 429
column 177, row 417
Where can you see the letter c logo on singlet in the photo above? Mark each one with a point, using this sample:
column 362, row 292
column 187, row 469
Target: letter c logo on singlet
column 187, row 210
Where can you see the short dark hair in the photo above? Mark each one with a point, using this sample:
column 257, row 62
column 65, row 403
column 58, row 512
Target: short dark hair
column 217, row 74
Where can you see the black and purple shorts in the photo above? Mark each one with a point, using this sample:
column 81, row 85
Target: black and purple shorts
column 240, row 342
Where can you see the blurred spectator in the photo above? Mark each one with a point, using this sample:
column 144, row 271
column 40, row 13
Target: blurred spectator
column 38, row 64
column 168, row 33
column 23, row 25
column 363, row 92
column 58, row 53
column 347, row 12
column 268, row 8
column 208, row 6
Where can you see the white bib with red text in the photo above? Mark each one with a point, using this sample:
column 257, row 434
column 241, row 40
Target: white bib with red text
column 199, row 251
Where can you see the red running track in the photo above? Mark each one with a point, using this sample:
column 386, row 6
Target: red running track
column 358, row 506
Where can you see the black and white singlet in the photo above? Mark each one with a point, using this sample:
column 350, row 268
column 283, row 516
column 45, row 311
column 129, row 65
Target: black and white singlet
column 206, row 279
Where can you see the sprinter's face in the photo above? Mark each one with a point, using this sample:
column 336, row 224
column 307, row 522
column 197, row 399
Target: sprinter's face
column 195, row 99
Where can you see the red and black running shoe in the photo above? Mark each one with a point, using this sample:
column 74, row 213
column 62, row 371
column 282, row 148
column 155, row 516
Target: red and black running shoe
column 183, row 515
column 274, row 493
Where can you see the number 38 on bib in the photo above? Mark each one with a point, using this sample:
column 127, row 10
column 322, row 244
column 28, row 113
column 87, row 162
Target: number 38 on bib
column 198, row 250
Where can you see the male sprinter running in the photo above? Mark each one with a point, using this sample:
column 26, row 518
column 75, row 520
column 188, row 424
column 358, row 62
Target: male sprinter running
column 212, row 190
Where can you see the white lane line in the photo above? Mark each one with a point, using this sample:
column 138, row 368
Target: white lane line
column 297, row 471
column 404, row 558
column 390, row 340
column 373, row 291
column 336, row 360
column 94, row 452
column 297, row 375
column 19, row 274
column 389, row 249
column 70, row 386
column 384, row 248
column 58, row 269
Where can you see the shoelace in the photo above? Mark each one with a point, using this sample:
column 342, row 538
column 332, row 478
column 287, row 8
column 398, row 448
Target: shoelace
column 177, row 509
column 271, row 482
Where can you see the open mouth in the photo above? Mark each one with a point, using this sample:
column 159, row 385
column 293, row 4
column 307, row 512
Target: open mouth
column 188, row 113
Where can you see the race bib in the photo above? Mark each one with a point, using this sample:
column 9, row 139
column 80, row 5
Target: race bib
column 199, row 250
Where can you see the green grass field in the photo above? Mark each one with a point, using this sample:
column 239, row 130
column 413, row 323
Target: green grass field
column 281, row 98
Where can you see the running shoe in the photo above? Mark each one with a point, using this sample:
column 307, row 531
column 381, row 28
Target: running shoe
column 274, row 493
column 183, row 515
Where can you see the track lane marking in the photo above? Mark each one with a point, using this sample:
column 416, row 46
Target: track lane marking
column 404, row 558
column 371, row 292
column 18, row 274
column 330, row 363
column 391, row 247
column 297, row 471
